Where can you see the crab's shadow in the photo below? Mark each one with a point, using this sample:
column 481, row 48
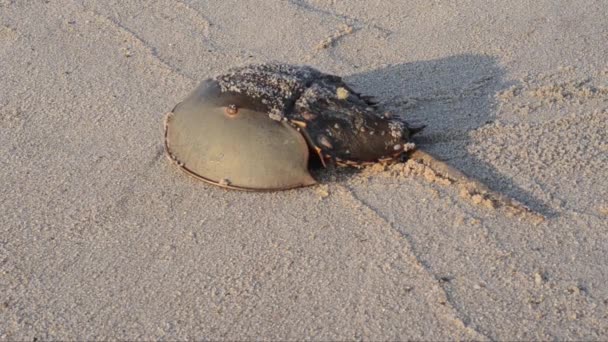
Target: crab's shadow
column 451, row 96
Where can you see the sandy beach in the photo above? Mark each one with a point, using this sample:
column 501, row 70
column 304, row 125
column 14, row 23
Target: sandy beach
column 102, row 238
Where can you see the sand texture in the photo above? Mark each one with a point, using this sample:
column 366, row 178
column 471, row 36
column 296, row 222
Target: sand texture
column 102, row 238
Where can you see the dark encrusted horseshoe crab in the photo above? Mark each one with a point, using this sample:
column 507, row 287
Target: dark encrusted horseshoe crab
column 255, row 127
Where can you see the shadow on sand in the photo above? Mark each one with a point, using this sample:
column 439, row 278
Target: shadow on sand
column 452, row 96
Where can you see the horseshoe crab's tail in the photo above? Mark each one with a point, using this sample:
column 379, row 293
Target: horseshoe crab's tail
column 471, row 189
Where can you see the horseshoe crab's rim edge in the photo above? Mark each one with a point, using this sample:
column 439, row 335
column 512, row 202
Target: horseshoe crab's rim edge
column 191, row 173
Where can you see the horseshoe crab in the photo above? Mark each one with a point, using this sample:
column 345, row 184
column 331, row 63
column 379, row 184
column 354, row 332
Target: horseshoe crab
column 258, row 127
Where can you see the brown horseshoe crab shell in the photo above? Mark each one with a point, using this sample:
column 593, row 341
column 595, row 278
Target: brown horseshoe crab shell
column 224, row 140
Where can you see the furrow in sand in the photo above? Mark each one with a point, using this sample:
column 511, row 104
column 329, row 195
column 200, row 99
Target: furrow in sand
column 451, row 313
column 142, row 44
column 358, row 22
column 204, row 22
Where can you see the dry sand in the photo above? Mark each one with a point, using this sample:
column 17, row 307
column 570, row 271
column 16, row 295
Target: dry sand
column 102, row 238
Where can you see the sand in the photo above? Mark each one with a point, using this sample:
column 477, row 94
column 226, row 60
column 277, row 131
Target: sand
column 102, row 238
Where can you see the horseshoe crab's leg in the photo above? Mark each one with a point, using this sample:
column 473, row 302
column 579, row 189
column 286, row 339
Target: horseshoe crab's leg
column 473, row 189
